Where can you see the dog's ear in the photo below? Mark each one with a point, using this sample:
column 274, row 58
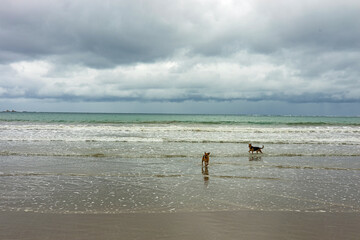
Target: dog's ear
column 208, row 153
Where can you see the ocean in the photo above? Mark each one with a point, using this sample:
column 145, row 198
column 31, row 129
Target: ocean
column 125, row 163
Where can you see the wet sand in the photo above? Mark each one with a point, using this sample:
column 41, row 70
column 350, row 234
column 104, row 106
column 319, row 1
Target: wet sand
column 254, row 225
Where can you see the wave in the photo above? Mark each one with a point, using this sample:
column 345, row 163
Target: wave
column 279, row 142
column 315, row 168
column 137, row 175
column 94, row 155
column 181, row 122
column 45, row 174
column 97, row 155
column 34, row 174
column 189, row 155
column 342, row 142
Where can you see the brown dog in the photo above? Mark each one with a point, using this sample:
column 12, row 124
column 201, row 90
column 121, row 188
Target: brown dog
column 205, row 159
column 253, row 149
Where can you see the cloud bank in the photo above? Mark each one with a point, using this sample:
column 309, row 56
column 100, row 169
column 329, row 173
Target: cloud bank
column 189, row 50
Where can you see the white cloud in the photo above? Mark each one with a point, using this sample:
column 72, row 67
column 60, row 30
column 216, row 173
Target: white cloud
column 175, row 80
column 31, row 69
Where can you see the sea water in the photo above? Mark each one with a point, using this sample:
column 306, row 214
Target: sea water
column 115, row 163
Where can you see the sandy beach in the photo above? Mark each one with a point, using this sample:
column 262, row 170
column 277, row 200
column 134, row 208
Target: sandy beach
column 223, row 225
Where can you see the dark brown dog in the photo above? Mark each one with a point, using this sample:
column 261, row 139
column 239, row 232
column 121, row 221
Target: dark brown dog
column 205, row 159
column 253, row 149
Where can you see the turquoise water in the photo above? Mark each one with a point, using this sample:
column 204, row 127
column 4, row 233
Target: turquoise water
column 115, row 163
column 177, row 118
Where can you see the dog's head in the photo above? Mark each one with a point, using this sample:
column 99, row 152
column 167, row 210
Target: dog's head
column 250, row 146
column 206, row 154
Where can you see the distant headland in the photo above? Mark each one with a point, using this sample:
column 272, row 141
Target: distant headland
column 9, row 111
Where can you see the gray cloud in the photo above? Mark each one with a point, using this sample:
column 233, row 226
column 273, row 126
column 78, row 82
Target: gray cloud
column 120, row 32
column 180, row 51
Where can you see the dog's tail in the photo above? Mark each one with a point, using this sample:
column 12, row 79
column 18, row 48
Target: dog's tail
column 262, row 147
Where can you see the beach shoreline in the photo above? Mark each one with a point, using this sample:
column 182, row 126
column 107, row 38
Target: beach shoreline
column 256, row 225
column 111, row 176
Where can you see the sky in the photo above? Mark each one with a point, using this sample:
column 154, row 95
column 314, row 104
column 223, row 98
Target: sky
column 187, row 56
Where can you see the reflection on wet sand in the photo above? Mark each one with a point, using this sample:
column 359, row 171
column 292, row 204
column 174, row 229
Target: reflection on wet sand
column 255, row 158
column 205, row 173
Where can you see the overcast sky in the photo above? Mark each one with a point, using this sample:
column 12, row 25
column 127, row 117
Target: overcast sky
column 186, row 56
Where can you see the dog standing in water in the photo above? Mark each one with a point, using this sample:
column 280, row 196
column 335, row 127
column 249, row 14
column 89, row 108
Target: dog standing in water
column 205, row 159
column 253, row 149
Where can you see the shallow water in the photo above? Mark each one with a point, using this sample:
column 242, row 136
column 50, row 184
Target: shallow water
column 114, row 185
column 74, row 163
